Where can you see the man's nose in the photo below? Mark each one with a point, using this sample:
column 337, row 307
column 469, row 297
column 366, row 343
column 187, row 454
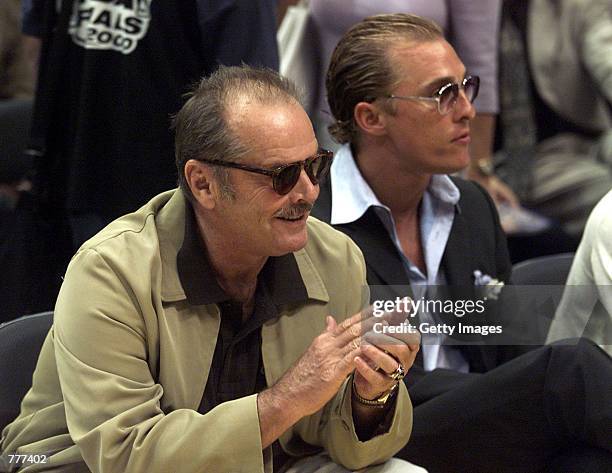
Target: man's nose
column 304, row 189
column 463, row 107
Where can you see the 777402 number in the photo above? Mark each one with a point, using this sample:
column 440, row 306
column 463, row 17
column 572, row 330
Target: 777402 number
column 26, row 458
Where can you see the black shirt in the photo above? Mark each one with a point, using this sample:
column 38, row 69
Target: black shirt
column 237, row 368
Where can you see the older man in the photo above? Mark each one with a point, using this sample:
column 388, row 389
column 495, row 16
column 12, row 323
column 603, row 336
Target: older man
column 193, row 334
column 402, row 101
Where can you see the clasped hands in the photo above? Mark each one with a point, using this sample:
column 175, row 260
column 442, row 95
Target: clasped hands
column 384, row 358
column 351, row 346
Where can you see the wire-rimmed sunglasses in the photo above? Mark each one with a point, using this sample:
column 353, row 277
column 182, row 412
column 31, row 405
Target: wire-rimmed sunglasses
column 284, row 178
column 447, row 95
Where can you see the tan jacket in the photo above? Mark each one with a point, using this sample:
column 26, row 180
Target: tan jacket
column 122, row 372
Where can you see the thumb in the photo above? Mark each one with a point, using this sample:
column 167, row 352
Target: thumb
column 330, row 324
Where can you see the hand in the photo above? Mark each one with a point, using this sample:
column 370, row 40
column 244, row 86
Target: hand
column 313, row 379
column 497, row 189
column 318, row 374
column 380, row 355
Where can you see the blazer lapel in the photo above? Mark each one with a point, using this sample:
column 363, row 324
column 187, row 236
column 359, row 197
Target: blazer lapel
column 458, row 262
column 383, row 262
column 382, row 259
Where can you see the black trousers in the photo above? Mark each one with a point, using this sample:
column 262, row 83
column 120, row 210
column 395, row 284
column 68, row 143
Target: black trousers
column 547, row 410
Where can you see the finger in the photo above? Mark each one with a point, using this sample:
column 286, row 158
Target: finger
column 401, row 311
column 347, row 362
column 346, row 324
column 331, row 324
column 392, row 348
column 411, row 359
column 386, row 333
column 372, row 382
column 383, row 360
column 350, row 330
column 359, row 317
column 354, row 346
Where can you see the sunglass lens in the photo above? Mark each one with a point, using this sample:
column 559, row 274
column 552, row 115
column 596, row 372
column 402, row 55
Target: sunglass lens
column 448, row 97
column 471, row 86
column 287, row 178
column 318, row 167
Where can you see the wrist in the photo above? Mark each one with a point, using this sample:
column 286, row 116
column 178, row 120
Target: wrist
column 482, row 168
column 380, row 401
column 283, row 402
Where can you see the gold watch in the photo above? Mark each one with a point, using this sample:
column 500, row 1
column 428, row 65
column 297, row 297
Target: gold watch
column 380, row 401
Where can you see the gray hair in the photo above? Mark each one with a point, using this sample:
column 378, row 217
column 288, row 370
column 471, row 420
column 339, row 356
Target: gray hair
column 360, row 69
column 201, row 126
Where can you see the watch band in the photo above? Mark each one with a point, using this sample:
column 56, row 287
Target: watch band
column 380, row 402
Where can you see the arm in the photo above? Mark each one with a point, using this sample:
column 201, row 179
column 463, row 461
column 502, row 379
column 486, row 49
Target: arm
column 108, row 364
column 335, row 427
column 311, row 382
column 589, row 282
column 483, row 130
column 317, row 376
column 474, row 34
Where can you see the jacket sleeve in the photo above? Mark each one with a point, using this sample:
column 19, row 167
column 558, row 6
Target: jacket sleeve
column 112, row 399
column 345, row 448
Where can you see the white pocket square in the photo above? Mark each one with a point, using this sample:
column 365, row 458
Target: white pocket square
column 489, row 287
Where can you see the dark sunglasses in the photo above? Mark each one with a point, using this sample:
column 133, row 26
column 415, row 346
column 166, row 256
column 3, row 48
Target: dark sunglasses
column 284, row 178
column 447, row 95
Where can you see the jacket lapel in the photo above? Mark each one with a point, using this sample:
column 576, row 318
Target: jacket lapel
column 383, row 262
column 458, row 263
column 382, row 259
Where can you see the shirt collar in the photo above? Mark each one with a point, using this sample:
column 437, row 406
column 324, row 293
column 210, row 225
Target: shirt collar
column 352, row 195
column 281, row 274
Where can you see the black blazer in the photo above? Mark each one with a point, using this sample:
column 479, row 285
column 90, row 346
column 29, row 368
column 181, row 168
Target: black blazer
column 476, row 242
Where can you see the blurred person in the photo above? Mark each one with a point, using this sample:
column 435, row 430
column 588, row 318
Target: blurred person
column 585, row 309
column 556, row 117
column 111, row 74
column 17, row 212
column 193, row 334
column 16, row 77
column 471, row 26
column 402, row 103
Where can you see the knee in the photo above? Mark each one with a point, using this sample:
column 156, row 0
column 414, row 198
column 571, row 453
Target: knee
column 582, row 352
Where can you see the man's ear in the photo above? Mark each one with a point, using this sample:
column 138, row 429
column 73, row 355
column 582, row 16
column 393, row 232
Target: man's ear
column 201, row 181
column 370, row 118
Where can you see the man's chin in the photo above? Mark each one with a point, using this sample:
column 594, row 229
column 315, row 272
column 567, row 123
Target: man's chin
column 292, row 244
column 454, row 166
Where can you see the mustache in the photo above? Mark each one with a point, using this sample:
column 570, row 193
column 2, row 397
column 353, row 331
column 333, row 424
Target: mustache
column 295, row 210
